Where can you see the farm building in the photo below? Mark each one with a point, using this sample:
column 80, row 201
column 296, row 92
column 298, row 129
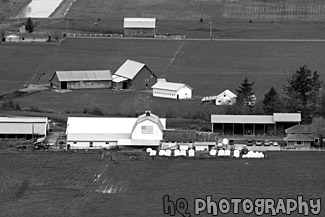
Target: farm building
column 300, row 135
column 12, row 38
column 225, row 98
column 254, row 124
column 81, row 79
column 171, row 90
column 133, row 75
column 23, row 127
column 139, row 27
column 299, row 140
column 97, row 133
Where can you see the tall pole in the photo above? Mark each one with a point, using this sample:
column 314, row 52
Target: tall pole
column 210, row 23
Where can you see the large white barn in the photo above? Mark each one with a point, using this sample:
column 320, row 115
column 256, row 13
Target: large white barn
column 171, row 90
column 97, row 133
column 225, row 98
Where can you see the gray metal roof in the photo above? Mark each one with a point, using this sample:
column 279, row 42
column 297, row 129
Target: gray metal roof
column 169, row 86
column 129, row 69
column 287, row 117
column 148, row 23
column 23, row 125
column 243, row 119
column 298, row 137
column 96, row 75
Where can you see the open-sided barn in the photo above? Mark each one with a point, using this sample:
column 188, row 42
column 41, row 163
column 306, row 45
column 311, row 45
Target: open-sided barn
column 81, row 79
column 97, row 133
column 254, row 124
column 134, row 75
column 139, row 27
column 23, row 127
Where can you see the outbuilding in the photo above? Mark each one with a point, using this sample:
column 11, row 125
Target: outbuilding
column 171, row 90
column 225, row 98
column 298, row 140
column 81, row 79
column 140, row 27
column 133, row 75
column 12, row 38
column 23, row 127
column 97, row 133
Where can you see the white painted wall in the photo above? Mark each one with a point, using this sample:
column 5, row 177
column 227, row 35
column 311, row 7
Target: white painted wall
column 185, row 93
column 225, row 100
column 86, row 145
column 157, row 134
column 165, row 93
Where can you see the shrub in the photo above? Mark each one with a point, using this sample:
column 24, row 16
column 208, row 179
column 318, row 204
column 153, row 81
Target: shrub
column 93, row 111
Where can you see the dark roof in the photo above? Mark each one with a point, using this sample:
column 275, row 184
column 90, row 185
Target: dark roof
column 298, row 137
column 299, row 129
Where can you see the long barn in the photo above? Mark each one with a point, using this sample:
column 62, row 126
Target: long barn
column 81, row 79
column 23, row 127
column 139, row 27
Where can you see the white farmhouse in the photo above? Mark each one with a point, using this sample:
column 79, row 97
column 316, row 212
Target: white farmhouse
column 171, row 90
column 225, row 98
column 97, row 133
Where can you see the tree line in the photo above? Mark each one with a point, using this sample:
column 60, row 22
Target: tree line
column 302, row 93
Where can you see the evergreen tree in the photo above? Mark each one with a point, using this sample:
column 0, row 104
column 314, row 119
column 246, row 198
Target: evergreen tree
column 29, row 26
column 245, row 96
column 303, row 92
column 272, row 102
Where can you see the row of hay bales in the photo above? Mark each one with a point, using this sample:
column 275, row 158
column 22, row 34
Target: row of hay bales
column 213, row 152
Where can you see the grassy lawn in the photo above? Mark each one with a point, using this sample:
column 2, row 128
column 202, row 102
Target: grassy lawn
column 65, row 184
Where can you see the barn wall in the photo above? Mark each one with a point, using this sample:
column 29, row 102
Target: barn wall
column 139, row 32
column 185, row 93
column 89, row 84
column 86, row 145
column 165, row 93
column 145, row 79
column 157, row 134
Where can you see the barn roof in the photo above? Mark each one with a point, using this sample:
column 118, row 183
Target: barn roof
column 129, row 69
column 23, row 125
column 227, row 92
column 149, row 23
column 299, row 129
column 23, row 120
column 151, row 117
column 243, row 119
column 97, row 75
column 164, row 85
column 287, row 117
column 298, row 137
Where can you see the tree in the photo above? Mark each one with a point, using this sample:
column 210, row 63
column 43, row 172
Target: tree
column 245, row 96
column 29, row 26
column 302, row 93
column 272, row 102
column 57, row 36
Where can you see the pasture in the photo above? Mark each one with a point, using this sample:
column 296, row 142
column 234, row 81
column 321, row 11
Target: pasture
column 80, row 184
column 207, row 66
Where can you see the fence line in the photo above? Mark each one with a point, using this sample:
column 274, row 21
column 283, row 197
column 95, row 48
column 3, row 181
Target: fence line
column 304, row 149
column 99, row 35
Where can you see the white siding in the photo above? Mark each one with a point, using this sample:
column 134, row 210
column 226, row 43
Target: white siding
column 184, row 93
column 157, row 134
column 225, row 100
column 95, row 145
column 165, row 93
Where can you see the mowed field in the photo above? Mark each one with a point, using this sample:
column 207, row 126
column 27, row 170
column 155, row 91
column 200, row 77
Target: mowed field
column 207, row 66
column 81, row 184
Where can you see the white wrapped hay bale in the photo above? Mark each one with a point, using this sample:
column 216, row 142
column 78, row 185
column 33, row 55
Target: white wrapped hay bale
column 162, row 153
column 191, row 153
column 176, row 153
column 183, row 152
column 213, row 152
column 221, row 153
column 236, row 153
column 149, row 150
column 153, row 153
column 227, row 153
column 168, row 153
column 220, row 145
column 225, row 141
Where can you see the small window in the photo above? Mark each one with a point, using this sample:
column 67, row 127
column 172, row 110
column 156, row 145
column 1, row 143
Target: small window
column 74, row 142
column 91, row 144
column 224, row 95
column 219, row 101
column 299, row 143
column 107, row 143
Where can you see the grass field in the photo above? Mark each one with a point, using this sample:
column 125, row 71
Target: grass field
column 208, row 66
column 67, row 184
